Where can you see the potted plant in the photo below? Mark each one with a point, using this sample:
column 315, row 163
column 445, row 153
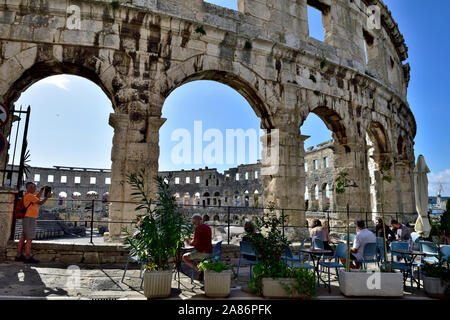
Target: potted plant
column 217, row 278
column 436, row 279
column 160, row 231
column 272, row 277
column 384, row 282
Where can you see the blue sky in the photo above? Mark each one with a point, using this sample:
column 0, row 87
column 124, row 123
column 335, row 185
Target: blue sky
column 72, row 127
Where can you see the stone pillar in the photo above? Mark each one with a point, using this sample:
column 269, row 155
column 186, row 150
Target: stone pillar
column 135, row 147
column 283, row 172
column 404, row 180
column 7, row 197
column 351, row 159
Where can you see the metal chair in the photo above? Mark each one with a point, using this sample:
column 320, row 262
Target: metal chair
column 403, row 266
column 245, row 248
column 352, row 238
column 341, row 252
column 445, row 250
column 415, row 237
column 132, row 258
column 430, row 248
column 380, row 249
column 370, row 254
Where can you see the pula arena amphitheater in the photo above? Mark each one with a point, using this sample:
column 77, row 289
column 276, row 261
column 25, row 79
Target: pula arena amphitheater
column 139, row 51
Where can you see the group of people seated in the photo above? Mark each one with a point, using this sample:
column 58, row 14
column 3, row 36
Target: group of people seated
column 202, row 238
column 398, row 231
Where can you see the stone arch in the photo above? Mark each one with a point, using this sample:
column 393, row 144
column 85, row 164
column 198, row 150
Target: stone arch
column 333, row 120
column 248, row 83
column 44, row 60
column 379, row 137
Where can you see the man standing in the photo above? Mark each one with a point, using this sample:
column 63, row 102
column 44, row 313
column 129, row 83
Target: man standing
column 31, row 202
column 401, row 231
column 201, row 242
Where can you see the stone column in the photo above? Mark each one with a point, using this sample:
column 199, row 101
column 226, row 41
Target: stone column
column 351, row 159
column 404, row 180
column 7, row 197
column 135, row 147
column 283, row 172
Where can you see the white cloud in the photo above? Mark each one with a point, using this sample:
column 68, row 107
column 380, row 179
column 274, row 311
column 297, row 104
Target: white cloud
column 434, row 179
column 60, row 81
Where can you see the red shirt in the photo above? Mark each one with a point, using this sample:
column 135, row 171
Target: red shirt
column 202, row 239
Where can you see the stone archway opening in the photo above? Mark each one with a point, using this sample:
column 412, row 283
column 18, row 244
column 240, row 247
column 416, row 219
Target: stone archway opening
column 378, row 154
column 69, row 141
column 210, row 115
column 322, row 129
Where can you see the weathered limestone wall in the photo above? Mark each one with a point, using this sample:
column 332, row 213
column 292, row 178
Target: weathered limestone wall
column 142, row 51
column 73, row 253
column 6, row 216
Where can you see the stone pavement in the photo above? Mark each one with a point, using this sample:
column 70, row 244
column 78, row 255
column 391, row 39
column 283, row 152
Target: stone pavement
column 59, row 281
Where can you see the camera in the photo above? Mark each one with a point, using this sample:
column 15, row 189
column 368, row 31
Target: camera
column 48, row 190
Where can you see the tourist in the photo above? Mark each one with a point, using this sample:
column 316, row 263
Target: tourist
column 363, row 237
column 379, row 232
column 31, row 202
column 401, row 231
column 249, row 236
column 320, row 232
column 202, row 242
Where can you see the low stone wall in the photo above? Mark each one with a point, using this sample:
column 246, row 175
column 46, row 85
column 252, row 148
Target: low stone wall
column 101, row 254
column 73, row 253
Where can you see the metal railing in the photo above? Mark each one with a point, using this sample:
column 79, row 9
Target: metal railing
column 227, row 222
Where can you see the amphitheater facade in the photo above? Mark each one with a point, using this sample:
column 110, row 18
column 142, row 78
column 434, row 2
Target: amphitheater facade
column 141, row 50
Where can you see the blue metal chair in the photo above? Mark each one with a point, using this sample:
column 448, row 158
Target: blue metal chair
column 247, row 249
column 318, row 244
column 370, row 254
column 380, row 249
column 135, row 259
column 215, row 255
column 430, row 248
column 403, row 266
column 445, row 250
column 295, row 261
column 352, row 238
column 341, row 252
column 415, row 237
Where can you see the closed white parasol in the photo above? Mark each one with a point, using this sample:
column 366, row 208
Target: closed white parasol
column 421, row 192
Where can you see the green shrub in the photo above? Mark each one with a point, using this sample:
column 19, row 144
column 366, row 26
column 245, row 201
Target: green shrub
column 160, row 227
column 213, row 265
column 270, row 248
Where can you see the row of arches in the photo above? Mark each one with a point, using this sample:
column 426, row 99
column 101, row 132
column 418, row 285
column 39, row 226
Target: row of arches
column 237, row 199
column 363, row 137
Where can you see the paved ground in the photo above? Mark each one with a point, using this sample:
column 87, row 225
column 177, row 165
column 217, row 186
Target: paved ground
column 57, row 281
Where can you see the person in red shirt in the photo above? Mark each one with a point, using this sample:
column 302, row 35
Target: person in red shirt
column 202, row 242
column 31, row 202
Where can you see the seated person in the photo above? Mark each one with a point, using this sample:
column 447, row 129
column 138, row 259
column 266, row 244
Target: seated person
column 250, row 232
column 401, row 231
column 379, row 232
column 202, row 242
column 320, row 232
column 363, row 237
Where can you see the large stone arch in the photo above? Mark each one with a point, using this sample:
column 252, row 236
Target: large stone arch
column 244, row 80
